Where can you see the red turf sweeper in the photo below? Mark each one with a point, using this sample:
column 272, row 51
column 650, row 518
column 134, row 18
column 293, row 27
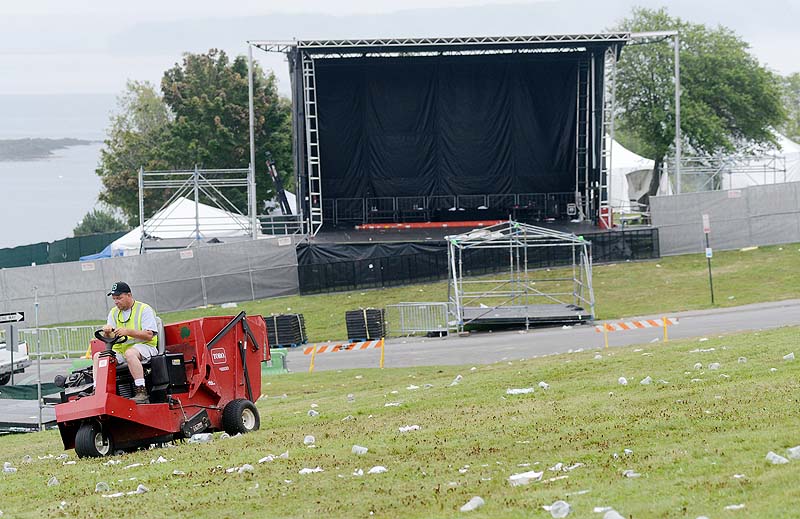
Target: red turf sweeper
column 206, row 377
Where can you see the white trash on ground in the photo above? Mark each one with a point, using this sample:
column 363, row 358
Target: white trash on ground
column 524, row 478
column 392, row 404
column 544, row 385
column 309, row 440
column 742, row 360
column 101, row 486
column 378, row 469
column 245, row 468
column 359, row 472
column 409, row 428
column 27, row 459
column 776, row 459
column 789, row 356
column 794, row 452
column 351, row 398
column 201, row 438
column 697, row 365
column 735, row 507
column 456, row 380
column 53, row 481
column 7, row 468
column 312, row 413
column 630, row 473
column 359, row 450
column 713, row 366
column 473, row 504
column 646, row 381
column 622, row 381
column 558, row 509
column 310, row 471
column 612, row 514
column 519, row 391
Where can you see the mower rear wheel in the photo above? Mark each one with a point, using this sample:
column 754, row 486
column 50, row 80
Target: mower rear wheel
column 92, row 442
column 240, row 416
column 4, row 379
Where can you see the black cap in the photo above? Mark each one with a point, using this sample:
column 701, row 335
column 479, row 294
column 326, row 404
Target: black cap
column 120, row 287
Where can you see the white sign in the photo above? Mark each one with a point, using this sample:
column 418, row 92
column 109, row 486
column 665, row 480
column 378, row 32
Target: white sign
column 283, row 242
column 87, row 266
column 13, row 317
column 706, row 224
column 735, row 193
column 187, row 254
column 709, row 253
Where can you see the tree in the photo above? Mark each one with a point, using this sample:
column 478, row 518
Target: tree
column 137, row 131
column 729, row 102
column 791, row 101
column 200, row 119
column 99, row 220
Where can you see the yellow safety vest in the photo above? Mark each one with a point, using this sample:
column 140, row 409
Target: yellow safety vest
column 134, row 322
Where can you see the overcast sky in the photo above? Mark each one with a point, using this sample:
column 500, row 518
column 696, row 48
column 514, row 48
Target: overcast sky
column 89, row 46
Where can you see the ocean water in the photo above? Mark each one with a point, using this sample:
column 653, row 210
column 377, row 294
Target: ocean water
column 43, row 200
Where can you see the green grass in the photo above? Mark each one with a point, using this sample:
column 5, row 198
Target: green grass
column 688, row 439
column 665, row 285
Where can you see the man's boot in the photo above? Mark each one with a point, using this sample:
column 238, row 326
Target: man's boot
column 141, row 395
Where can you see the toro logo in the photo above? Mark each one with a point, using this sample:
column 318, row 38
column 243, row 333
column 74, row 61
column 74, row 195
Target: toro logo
column 218, row 356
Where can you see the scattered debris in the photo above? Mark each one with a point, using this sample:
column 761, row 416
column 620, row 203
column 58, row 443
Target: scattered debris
column 558, row 509
column 698, row 366
column 646, row 381
column 742, row 360
column 359, row 472
column 412, row 387
column 794, row 452
column 359, row 450
column 409, row 428
column 53, row 481
column 312, row 413
column 347, row 418
column 309, row 440
column 160, row 459
column 201, row 438
column 473, row 504
column 622, row 381
column 713, row 366
column 101, row 486
column 735, row 507
column 378, row 469
column 456, row 380
column 630, row 473
column 7, row 468
column 27, row 459
column 178, row 473
column 520, row 391
column 134, row 465
column 544, row 385
column 789, row 356
column 524, row 478
column 310, row 471
column 776, row 459
column 612, row 514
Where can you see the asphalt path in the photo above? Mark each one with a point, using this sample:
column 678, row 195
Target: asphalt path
column 489, row 347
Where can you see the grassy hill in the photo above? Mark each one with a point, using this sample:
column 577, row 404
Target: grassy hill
column 697, row 437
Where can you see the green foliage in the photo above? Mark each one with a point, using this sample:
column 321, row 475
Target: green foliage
column 201, row 120
column 97, row 221
column 687, row 433
column 729, row 102
column 791, row 101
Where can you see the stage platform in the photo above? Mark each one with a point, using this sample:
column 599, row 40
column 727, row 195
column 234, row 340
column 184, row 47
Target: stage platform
column 532, row 314
column 23, row 416
column 351, row 235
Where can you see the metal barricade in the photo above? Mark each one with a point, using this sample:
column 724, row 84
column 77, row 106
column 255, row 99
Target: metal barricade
column 403, row 319
column 65, row 341
column 281, row 224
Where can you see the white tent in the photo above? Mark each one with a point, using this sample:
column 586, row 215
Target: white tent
column 768, row 168
column 630, row 178
column 182, row 219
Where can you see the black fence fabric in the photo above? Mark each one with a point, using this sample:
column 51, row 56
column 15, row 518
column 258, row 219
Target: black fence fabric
column 339, row 267
column 68, row 249
column 447, row 125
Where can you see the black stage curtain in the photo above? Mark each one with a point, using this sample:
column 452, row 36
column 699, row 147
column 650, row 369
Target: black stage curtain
column 446, row 126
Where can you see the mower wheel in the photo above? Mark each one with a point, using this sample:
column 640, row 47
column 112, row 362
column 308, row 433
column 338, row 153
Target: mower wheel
column 240, row 416
column 4, row 379
column 92, row 442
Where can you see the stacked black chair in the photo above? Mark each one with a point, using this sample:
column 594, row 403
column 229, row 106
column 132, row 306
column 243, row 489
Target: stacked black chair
column 286, row 330
column 366, row 324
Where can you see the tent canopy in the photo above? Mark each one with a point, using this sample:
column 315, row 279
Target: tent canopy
column 183, row 219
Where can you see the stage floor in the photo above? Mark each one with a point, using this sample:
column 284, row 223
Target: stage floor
column 350, row 235
column 532, row 314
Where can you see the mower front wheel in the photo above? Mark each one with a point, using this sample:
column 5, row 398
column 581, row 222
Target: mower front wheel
column 92, row 442
column 240, row 416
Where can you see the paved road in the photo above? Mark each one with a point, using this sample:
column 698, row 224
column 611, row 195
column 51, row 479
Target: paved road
column 484, row 348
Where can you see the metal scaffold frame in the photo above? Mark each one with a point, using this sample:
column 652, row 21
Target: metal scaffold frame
column 708, row 173
column 516, row 287
column 192, row 184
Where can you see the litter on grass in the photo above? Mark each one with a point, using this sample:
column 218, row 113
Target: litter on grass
column 378, row 469
column 622, row 381
column 101, row 486
column 776, row 459
column 310, row 471
column 519, row 391
column 309, row 440
column 794, row 452
column 524, row 478
column 409, row 428
column 646, row 381
column 558, row 509
column 53, row 481
column 735, row 507
column 473, row 504
column 312, row 413
column 544, row 385
column 359, row 450
column 789, row 356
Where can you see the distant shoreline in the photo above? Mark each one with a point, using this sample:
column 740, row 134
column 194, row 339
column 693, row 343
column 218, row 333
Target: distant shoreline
column 14, row 150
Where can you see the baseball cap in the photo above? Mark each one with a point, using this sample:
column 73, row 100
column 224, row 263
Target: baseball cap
column 120, row 287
